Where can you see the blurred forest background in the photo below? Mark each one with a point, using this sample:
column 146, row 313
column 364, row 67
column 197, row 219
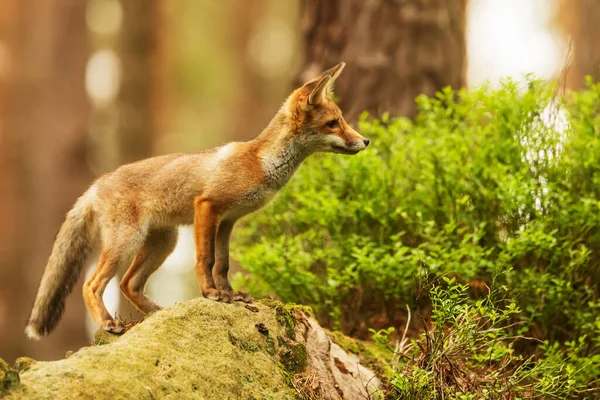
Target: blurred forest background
column 86, row 86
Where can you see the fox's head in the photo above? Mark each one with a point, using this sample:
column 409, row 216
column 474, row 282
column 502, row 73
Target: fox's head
column 317, row 122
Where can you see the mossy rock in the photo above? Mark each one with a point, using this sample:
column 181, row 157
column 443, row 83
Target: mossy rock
column 184, row 351
column 199, row 349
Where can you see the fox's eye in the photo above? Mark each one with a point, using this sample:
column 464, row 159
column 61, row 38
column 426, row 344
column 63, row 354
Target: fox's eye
column 332, row 124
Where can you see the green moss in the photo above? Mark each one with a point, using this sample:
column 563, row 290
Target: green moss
column 292, row 356
column 102, row 337
column 289, row 306
column 345, row 342
column 287, row 377
column 241, row 343
column 270, row 348
column 3, row 366
column 288, row 321
column 9, row 378
column 281, row 341
column 271, row 302
column 22, row 364
column 285, row 315
column 294, row 359
column 369, row 353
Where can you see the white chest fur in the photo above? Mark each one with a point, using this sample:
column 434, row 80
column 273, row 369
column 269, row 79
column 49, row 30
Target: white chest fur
column 280, row 166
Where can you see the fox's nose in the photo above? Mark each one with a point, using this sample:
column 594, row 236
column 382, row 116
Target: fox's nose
column 366, row 142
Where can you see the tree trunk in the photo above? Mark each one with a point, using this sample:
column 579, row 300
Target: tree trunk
column 140, row 108
column 8, row 166
column 579, row 20
column 45, row 132
column 141, row 103
column 394, row 50
column 248, row 107
column 7, row 162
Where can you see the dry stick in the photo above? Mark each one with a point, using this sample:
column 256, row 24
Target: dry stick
column 561, row 87
column 441, row 385
column 427, row 338
column 366, row 386
column 399, row 350
column 564, row 71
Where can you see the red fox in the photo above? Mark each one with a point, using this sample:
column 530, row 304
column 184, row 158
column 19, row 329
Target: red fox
column 134, row 211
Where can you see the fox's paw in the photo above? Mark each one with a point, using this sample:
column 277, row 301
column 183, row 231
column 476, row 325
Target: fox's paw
column 239, row 295
column 217, row 295
column 115, row 326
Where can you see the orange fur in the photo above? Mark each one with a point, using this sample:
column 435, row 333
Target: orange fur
column 134, row 211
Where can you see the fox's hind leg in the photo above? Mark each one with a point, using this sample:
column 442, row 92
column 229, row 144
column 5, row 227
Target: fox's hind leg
column 157, row 247
column 221, row 267
column 118, row 249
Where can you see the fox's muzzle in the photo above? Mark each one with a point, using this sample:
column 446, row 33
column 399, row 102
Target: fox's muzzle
column 355, row 141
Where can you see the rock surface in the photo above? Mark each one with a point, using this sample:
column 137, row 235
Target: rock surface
column 201, row 349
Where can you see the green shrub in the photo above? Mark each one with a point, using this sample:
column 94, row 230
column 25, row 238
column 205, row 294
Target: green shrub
column 482, row 183
column 469, row 354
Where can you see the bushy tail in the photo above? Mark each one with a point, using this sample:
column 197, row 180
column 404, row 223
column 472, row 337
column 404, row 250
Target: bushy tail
column 73, row 244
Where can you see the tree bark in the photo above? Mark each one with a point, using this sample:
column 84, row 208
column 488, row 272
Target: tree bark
column 395, row 50
column 579, row 20
column 45, row 132
column 7, row 163
column 142, row 99
column 8, row 166
column 140, row 106
column 248, row 107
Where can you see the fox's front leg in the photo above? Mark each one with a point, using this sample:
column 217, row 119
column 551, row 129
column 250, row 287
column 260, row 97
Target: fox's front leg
column 221, row 267
column 205, row 231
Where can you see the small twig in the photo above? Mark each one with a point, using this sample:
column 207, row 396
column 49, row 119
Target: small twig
column 399, row 350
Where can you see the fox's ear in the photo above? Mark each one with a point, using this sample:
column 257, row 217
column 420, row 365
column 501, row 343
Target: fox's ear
column 320, row 91
column 323, row 85
column 334, row 73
